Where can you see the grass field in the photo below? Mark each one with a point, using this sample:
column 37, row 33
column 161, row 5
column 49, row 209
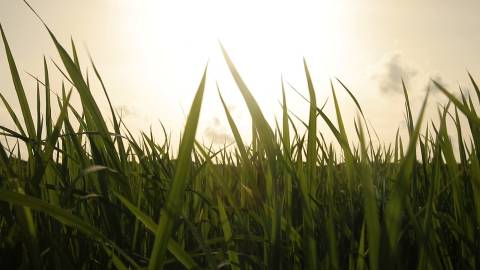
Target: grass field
column 87, row 194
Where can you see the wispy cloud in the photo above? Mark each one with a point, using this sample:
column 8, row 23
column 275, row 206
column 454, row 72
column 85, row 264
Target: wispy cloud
column 125, row 111
column 390, row 70
column 436, row 76
column 216, row 133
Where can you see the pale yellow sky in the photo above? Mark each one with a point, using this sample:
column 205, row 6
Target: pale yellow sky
column 151, row 54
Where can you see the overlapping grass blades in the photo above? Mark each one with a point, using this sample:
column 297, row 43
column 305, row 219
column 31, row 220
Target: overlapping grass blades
column 173, row 204
column 79, row 193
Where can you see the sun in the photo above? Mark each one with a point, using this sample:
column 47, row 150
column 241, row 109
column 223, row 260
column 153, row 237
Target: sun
column 170, row 41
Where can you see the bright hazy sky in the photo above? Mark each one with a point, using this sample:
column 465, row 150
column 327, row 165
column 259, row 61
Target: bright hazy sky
column 151, row 54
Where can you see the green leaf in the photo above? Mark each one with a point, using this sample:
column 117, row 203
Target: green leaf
column 22, row 99
column 58, row 213
column 173, row 246
column 173, row 205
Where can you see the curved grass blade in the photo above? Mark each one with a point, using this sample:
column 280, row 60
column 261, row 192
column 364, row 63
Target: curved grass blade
column 173, row 204
column 13, row 116
column 396, row 205
column 309, row 242
column 173, row 246
column 58, row 213
column 264, row 131
column 27, row 115
column 227, row 233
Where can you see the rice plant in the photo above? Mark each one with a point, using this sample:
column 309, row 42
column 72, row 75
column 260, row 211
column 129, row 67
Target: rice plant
column 79, row 191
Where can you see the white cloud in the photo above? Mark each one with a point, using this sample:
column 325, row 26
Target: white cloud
column 390, row 70
column 125, row 111
column 216, row 133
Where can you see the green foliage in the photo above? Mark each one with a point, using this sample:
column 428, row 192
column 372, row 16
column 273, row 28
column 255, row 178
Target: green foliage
column 88, row 195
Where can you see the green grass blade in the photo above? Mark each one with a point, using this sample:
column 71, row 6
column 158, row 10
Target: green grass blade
column 173, row 204
column 48, row 110
column 311, row 244
column 173, row 246
column 227, row 233
column 56, row 212
column 259, row 122
column 13, row 116
column 395, row 207
column 27, row 115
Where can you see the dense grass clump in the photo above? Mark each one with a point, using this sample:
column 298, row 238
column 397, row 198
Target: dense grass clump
column 88, row 195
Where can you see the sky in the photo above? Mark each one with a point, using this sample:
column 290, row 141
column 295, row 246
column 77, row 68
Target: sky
column 151, row 55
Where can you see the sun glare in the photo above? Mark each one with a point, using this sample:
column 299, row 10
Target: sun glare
column 265, row 38
column 134, row 161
